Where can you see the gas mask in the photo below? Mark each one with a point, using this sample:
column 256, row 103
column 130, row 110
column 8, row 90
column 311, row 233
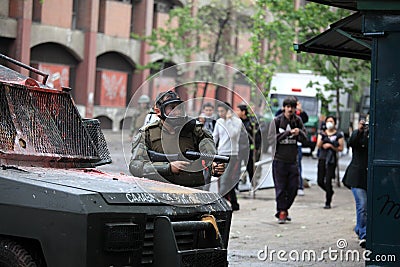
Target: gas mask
column 173, row 112
column 178, row 119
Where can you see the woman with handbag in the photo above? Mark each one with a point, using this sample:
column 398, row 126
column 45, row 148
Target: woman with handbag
column 330, row 142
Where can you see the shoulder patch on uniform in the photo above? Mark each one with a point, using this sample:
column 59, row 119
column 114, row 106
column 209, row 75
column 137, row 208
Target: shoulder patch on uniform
column 150, row 125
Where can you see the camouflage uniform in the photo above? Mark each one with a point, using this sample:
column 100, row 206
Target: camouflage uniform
column 154, row 137
column 140, row 114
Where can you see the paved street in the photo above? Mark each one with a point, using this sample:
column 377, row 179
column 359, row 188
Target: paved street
column 254, row 227
column 312, row 229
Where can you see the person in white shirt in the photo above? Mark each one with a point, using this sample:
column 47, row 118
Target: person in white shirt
column 226, row 135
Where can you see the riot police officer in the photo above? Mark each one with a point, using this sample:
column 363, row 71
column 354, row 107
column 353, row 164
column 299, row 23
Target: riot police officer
column 174, row 133
column 138, row 117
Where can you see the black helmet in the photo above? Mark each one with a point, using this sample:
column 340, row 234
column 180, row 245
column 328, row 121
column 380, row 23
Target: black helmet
column 178, row 116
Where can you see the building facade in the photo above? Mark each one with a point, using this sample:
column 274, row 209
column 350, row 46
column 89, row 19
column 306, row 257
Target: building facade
column 86, row 45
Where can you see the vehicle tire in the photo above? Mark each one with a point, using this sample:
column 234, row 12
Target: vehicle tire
column 14, row 255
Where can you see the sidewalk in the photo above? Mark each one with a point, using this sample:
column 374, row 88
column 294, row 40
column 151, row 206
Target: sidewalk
column 254, row 228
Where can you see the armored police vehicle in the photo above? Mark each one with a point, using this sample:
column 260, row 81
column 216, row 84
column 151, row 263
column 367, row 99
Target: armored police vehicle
column 58, row 210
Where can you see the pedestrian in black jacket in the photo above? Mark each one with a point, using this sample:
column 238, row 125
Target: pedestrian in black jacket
column 304, row 117
column 249, row 141
column 289, row 130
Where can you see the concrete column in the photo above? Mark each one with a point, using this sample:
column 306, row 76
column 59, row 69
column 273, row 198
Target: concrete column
column 20, row 50
column 143, row 25
column 86, row 70
column 115, row 125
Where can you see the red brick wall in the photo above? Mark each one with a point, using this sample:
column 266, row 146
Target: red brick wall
column 241, row 93
column 244, row 44
column 210, row 94
column 20, row 9
column 162, row 84
column 162, row 19
column 115, row 18
column 57, row 13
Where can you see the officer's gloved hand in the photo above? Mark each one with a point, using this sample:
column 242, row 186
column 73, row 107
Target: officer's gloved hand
column 218, row 169
column 178, row 166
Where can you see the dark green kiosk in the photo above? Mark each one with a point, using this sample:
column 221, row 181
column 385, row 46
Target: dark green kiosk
column 372, row 32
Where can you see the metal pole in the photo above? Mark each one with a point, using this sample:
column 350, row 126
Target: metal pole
column 45, row 75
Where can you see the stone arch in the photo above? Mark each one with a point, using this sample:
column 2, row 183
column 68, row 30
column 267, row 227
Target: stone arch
column 125, row 123
column 179, row 3
column 113, row 79
column 57, row 60
column 115, row 60
column 105, row 122
column 164, row 65
column 73, row 42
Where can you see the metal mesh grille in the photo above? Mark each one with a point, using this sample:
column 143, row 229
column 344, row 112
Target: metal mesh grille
column 123, row 237
column 185, row 241
column 93, row 128
column 59, row 113
column 7, row 129
column 48, row 122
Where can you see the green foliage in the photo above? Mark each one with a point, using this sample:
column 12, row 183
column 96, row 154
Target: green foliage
column 185, row 35
column 171, row 40
column 275, row 25
column 346, row 76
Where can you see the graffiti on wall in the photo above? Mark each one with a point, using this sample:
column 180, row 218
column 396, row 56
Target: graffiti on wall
column 113, row 88
column 58, row 74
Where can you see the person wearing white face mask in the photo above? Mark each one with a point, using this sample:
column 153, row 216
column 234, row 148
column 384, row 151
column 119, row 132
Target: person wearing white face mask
column 330, row 142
